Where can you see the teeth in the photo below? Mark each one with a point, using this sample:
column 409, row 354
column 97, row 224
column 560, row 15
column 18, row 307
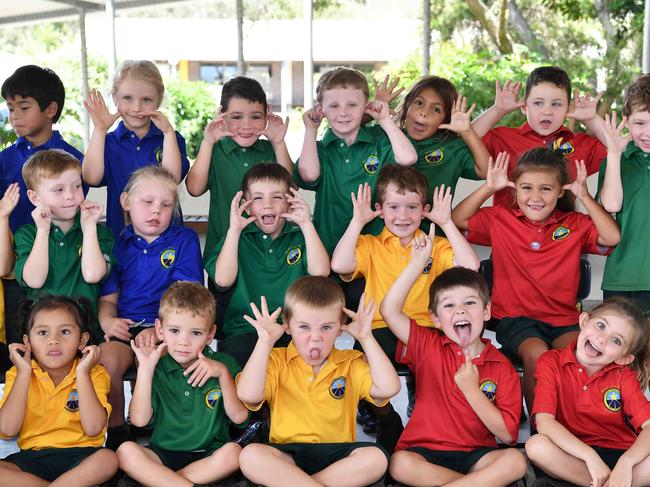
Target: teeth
column 462, row 323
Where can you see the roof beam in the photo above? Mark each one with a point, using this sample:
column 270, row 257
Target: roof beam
column 81, row 4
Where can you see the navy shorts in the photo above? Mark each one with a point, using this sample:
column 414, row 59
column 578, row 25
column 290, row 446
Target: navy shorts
column 512, row 331
column 458, row 461
column 50, row 463
column 176, row 460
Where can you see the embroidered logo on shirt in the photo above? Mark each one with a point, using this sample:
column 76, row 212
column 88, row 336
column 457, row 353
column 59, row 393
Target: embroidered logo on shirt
column 72, row 404
column 372, row 164
column 612, row 399
column 566, row 148
column 560, row 233
column 427, row 268
column 489, row 388
column 337, row 388
column 435, row 157
column 212, row 398
column 159, row 155
column 167, row 258
column 79, row 250
column 293, row 256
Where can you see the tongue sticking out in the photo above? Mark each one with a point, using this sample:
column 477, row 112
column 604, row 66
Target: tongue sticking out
column 590, row 351
column 463, row 331
column 267, row 219
column 314, row 354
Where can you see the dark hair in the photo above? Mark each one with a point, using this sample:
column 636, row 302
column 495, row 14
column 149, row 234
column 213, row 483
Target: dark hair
column 640, row 347
column 314, row 291
column 542, row 159
column 548, row 74
column 457, row 277
column 404, row 178
column 341, row 77
column 42, row 84
column 267, row 171
column 245, row 88
column 79, row 308
column 637, row 96
column 443, row 88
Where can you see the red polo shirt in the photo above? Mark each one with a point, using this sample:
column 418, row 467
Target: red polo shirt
column 516, row 141
column 536, row 266
column 595, row 408
column 442, row 418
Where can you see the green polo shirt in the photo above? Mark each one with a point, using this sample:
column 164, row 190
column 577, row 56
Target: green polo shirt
column 266, row 268
column 64, row 275
column 229, row 163
column 187, row 418
column 628, row 266
column 342, row 169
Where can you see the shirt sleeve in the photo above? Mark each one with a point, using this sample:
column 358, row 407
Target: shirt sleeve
column 106, row 244
column 271, row 384
column 595, row 150
column 590, row 240
column 189, row 267
column 601, row 179
column 111, row 284
column 508, row 399
column 465, row 160
column 635, row 405
column 489, row 140
column 10, row 378
column 360, row 375
column 102, row 385
column 362, row 257
column 210, row 259
column 409, row 354
column 442, row 256
column 479, row 226
column 547, row 375
column 23, row 243
column 185, row 163
column 313, row 185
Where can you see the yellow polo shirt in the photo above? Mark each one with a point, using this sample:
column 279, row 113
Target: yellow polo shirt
column 52, row 417
column 381, row 259
column 321, row 409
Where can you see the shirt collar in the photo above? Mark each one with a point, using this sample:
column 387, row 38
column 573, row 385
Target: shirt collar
column 76, row 225
column 41, row 374
column 53, row 142
column 562, row 131
column 169, row 365
column 364, row 136
column 128, row 233
column 554, row 218
column 387, row 235
column 631, row 150
column 228, row 145
column 121, row 131
column 288, row 227
column 487, row 354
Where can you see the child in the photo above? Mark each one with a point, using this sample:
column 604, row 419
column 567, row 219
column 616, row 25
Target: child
column 591, row 412
column 313, row 390
column 56, row 401
column 231, row 146
column 546, row 105
column 263, row 259
column 35, row 98
column 471, row 388
column 348, row 154
column 536, row 251
column 624, row 189
column 150, row 255
column 7, row 205
column 187, row 393
column 64, row 251
column 144, row 136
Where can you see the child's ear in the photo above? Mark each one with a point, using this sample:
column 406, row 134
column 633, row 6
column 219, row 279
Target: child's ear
column 51, row 109
column 33, row 197
column 487, row 311
column 582, row 319
column 378, row 208
column 625, row 360
column 159, row 330
column 523, row 108
column 426, row 208
column 213, row 330
column 124, row 200
column 319, row 110
column 434, row 319
column 83, row 340
column 26, row 340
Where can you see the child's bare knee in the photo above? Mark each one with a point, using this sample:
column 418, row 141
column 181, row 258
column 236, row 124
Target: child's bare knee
column 537, row 446
column 126, row 452
column 399, row 462
column 250, row 455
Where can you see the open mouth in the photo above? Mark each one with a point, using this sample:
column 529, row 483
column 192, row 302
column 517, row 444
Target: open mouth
column 591, row 351
column 267, row 219
column 535, row 207
column 463, row 331
column 546, row 124
column 314, row 353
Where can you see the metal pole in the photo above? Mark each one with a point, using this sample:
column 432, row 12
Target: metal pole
column 84, row 74
column 112, row 57
column 426, row 36
column 646, row 38
column 308, row 63
column 241, row 66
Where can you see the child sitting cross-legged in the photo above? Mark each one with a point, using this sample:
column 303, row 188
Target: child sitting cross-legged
column 467, row 393
column 313, row 390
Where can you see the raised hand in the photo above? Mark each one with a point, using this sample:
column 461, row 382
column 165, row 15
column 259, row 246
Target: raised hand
column 461, row 120
column 267, row 326
column 360, row 326
column 202, row 369
column 506, row 98
column 497, row 175
column 159, row 120
column 362, row 212
column 118, row 328
column 9, row 200
column 276, row 128
column 216, row 130
column 90, row 213
column 440, row 212
column 583, row 107
column 298, row 209
column 89, row 358
column 22, row 362
column 312, row 119
column 466, row 377
column 616, row 142
column 42, row 218
column 237, row 219
column 579, row 186
column 143, row 336
column 147, row 353
column 386, row 91
column 421, row 247
column 378, row 110
column 99, row 114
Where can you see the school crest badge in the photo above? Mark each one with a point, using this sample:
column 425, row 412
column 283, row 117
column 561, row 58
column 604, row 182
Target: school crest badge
column 212, row 398
column 612, row 399
column 427, row 268
column 435, row 157
column 337, row 388
column 293, row 256
column 560, row 233
column 167, row 258
column 565, row 147
column 159, row 155
column 371, row 164
column 72, row 404
column 489, row 388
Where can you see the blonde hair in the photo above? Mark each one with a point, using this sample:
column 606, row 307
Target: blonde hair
column 188, row 296
column 342, row 77
column 142, row 70
column 313, row 291
column 158, row 173
column 48, row 164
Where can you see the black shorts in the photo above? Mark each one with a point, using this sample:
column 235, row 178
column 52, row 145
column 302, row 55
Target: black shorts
column 134, row 331
column 511, row 332
column 176, row 460
column 314, row 457
column 241, row 346
column 608, row 455
column 50, row 463
column 458, row 461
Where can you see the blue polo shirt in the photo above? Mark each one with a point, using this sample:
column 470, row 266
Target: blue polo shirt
column 12, row 160
column 143, row 271
column 124, row 153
